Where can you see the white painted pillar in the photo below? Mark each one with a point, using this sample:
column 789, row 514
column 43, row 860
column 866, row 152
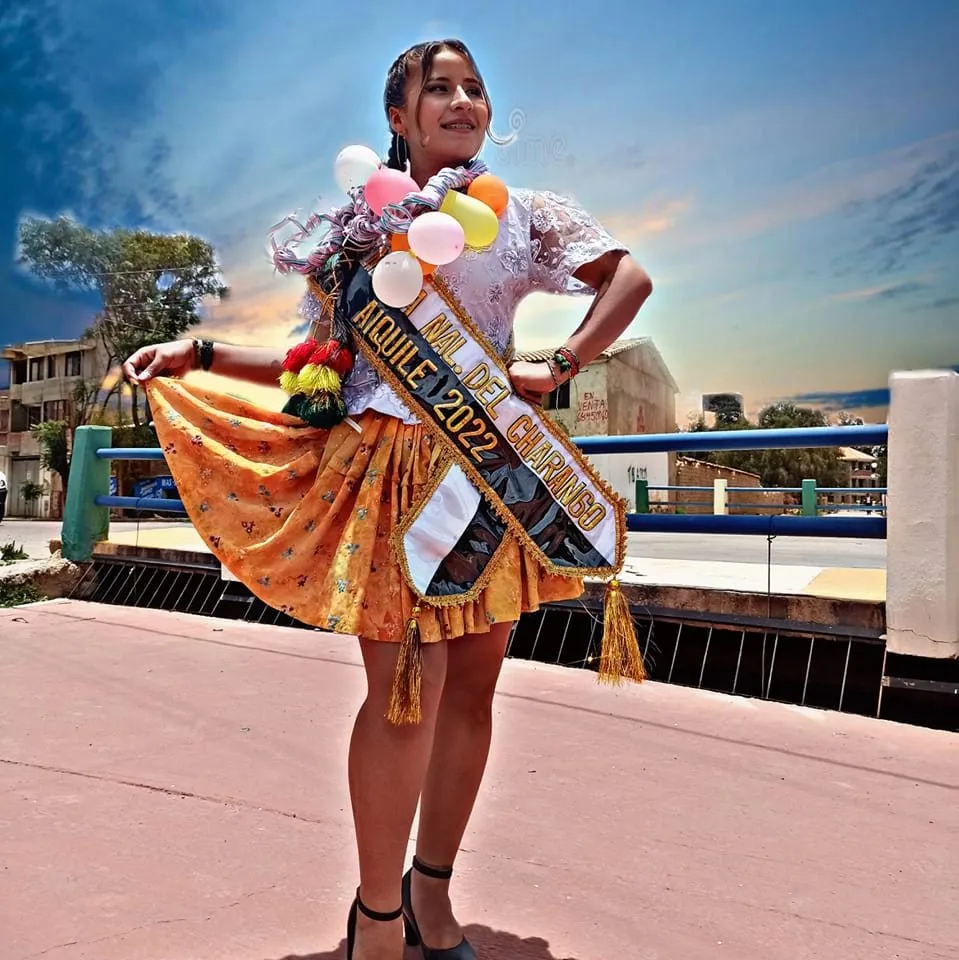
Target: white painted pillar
column 720, row 497
column 922, row 590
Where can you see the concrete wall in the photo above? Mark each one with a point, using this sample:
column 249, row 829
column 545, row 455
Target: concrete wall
column 60, row 386
column 587, row 412
column 625, row 394
column 622, row 470
column 922, row 593
column 641, row 399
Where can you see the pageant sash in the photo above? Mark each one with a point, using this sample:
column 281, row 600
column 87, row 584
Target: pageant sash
column 509, row 469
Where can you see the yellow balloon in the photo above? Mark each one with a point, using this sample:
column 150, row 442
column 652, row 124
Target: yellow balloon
column 479, row 222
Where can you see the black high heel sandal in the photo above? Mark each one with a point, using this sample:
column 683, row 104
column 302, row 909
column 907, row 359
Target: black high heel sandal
column 462, row 951
column 360, row 907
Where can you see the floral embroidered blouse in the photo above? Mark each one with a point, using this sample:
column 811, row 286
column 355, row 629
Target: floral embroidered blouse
column 543, row 239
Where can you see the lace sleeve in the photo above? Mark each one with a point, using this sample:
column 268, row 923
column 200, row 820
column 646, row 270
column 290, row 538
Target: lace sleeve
column 314, row 312
column 563, row 237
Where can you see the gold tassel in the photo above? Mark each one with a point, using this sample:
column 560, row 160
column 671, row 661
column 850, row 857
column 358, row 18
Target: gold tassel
column 620, row 657
column 405, row 700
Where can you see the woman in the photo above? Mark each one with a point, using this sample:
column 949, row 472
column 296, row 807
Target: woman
column 351, row 485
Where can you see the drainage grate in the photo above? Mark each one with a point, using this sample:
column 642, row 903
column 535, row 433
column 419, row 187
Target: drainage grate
column 767, row 661
column 833, row 672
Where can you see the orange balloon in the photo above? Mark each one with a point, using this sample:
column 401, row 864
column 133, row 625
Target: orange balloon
column 427, row 268
column 399, row 241
column 491, row 191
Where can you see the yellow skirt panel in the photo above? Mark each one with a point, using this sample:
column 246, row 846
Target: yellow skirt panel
column 304, row 517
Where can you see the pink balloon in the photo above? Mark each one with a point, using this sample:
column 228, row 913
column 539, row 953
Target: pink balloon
column 386, row 185
column 436, row 238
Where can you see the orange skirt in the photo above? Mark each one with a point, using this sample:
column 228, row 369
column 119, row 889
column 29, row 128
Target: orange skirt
column 304, row 517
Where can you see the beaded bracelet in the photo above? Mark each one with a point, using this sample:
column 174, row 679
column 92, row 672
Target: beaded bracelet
column 203, row 353
column 552, row 373
column 567, row 361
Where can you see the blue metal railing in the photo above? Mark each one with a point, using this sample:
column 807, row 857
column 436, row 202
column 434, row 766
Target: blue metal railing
column 90, row 474
column 870, row 493
column 156, row 504
column 130, row 453
column 830, row 490
column 774, row 525
column 792, row 438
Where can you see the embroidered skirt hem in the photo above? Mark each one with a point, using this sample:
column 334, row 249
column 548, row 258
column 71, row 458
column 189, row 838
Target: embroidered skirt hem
column 304, row 517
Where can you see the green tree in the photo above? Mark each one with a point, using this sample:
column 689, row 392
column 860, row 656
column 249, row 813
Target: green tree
column 727, row 408
column 53, row 437
column 783, row 467
column 151, row 285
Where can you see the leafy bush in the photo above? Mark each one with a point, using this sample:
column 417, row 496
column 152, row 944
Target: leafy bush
column 10, row 552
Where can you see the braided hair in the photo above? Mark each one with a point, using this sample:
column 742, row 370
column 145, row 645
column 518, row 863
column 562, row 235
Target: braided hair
column 397, row 80
column 355, row 231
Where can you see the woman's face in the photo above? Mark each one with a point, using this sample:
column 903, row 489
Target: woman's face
column 445, row 124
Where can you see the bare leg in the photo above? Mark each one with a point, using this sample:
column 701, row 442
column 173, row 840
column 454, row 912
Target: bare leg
column 461, row 745
column 387, row 764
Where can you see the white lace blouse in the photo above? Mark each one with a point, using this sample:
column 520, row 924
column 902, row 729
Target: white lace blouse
column 543, row 239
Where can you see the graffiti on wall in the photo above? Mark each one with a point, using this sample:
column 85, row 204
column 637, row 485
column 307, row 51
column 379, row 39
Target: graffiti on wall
column 641, row 418
column 592, row 409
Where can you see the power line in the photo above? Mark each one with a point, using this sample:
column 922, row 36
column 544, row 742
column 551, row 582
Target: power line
column 122, row 273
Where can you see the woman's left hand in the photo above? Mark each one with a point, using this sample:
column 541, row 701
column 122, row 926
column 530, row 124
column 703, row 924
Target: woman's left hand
column 532, row 380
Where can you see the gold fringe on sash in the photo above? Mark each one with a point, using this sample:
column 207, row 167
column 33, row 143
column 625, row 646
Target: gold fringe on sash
column 620, row 657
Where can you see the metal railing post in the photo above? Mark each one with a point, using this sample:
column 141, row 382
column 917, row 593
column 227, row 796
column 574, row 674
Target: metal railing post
column 642, row 496
column 810, row 498
column 720, row 497
column 84, row 523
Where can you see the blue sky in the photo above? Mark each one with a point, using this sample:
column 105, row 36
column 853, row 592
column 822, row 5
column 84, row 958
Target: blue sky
column 788, row 173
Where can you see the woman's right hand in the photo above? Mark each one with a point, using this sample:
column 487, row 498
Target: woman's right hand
column 174, row 359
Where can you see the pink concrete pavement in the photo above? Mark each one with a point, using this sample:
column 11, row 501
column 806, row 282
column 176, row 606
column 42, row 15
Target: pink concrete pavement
column 174, row 787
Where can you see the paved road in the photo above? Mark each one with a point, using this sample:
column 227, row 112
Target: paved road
column 35, row 535
column 171, row 786
column 728, row 548
column 804, row 551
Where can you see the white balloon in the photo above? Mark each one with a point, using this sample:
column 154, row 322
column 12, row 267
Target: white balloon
column 397, row 279
column 353, row 166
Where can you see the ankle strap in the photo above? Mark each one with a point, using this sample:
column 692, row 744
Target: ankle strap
column 437, row 873
column 374, row 914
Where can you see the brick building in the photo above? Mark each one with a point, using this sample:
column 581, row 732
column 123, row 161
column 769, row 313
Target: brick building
column 41, row 378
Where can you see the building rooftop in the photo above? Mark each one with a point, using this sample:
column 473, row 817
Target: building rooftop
column 620, row 346
column 851, row 454
column 613, row 350
column 36, row 348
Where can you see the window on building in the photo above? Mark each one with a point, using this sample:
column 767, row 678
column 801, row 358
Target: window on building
column 73, row 363
column 51, row 367
column 558, row 399
column 19, row 371
column 55, row 410
column 36, row 368
column 34, row 415
column 18, row 417
column 4, row 421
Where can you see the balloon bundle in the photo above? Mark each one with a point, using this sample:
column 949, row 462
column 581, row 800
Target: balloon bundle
column 426, row 229
column 421, row 242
